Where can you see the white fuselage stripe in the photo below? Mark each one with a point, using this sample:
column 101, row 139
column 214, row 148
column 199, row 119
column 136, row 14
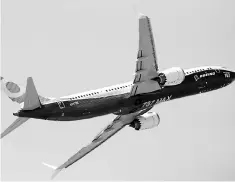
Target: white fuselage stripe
column 122, row 88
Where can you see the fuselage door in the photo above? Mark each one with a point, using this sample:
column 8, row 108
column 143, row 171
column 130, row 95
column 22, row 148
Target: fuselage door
column 61, row 104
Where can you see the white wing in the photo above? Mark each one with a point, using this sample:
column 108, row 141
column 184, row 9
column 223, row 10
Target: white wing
column 146, row 43
column 118, row 123
column 146, row 64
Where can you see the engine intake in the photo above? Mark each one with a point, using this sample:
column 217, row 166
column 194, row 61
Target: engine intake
column 171, row 76
column 146, row 121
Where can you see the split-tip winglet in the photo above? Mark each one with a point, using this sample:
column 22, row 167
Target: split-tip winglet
column 57, row 170
column 48, row 165
column 55, row 173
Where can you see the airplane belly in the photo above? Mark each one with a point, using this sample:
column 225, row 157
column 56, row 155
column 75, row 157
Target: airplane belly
column 85, row 109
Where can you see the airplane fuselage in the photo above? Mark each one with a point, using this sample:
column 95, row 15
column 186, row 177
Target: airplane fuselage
column 197, row 80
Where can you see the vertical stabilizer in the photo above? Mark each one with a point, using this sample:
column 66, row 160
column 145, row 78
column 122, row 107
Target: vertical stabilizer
column 31, row 96
column 16, row 92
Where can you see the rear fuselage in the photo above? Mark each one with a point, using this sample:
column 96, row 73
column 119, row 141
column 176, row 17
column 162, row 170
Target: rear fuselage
column 198, row 80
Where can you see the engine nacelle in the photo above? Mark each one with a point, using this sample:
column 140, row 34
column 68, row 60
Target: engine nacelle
column 172, row 76
column 146, row 121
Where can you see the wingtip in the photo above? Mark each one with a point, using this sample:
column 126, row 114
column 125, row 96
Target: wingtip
column 56, row 172
column 2, row 135
column 48, row 165
column 142, row 16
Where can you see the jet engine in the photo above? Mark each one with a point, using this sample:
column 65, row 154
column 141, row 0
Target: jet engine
column 146, row 121
column 171, row 76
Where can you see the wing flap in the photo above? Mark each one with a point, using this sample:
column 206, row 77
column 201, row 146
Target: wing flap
column 144, row 87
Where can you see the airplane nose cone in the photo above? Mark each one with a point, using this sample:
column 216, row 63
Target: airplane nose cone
column 232, row 75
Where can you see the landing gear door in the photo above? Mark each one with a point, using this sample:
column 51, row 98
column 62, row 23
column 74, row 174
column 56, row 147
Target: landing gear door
column 61, row 104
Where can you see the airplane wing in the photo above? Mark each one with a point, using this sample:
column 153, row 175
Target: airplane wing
column 146, row 64
column 118, row 123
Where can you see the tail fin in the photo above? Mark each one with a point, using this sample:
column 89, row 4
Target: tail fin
column 28, row 97
column 31, row 100
column 17, row 92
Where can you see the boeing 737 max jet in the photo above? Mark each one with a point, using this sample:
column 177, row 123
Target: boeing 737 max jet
column 131, row 101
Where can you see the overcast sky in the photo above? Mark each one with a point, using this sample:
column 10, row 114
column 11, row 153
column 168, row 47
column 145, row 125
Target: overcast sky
column 70, row 46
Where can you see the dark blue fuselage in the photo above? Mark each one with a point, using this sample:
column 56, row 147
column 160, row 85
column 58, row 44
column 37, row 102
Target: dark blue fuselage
column 69, row 110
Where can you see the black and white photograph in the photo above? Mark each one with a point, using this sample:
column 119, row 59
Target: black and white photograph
column 127, row 90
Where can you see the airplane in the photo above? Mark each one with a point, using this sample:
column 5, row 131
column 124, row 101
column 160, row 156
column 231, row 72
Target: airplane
column 131, row 102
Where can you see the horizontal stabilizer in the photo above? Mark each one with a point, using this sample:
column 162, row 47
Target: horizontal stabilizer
column 31, row 98
column 14, row 125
